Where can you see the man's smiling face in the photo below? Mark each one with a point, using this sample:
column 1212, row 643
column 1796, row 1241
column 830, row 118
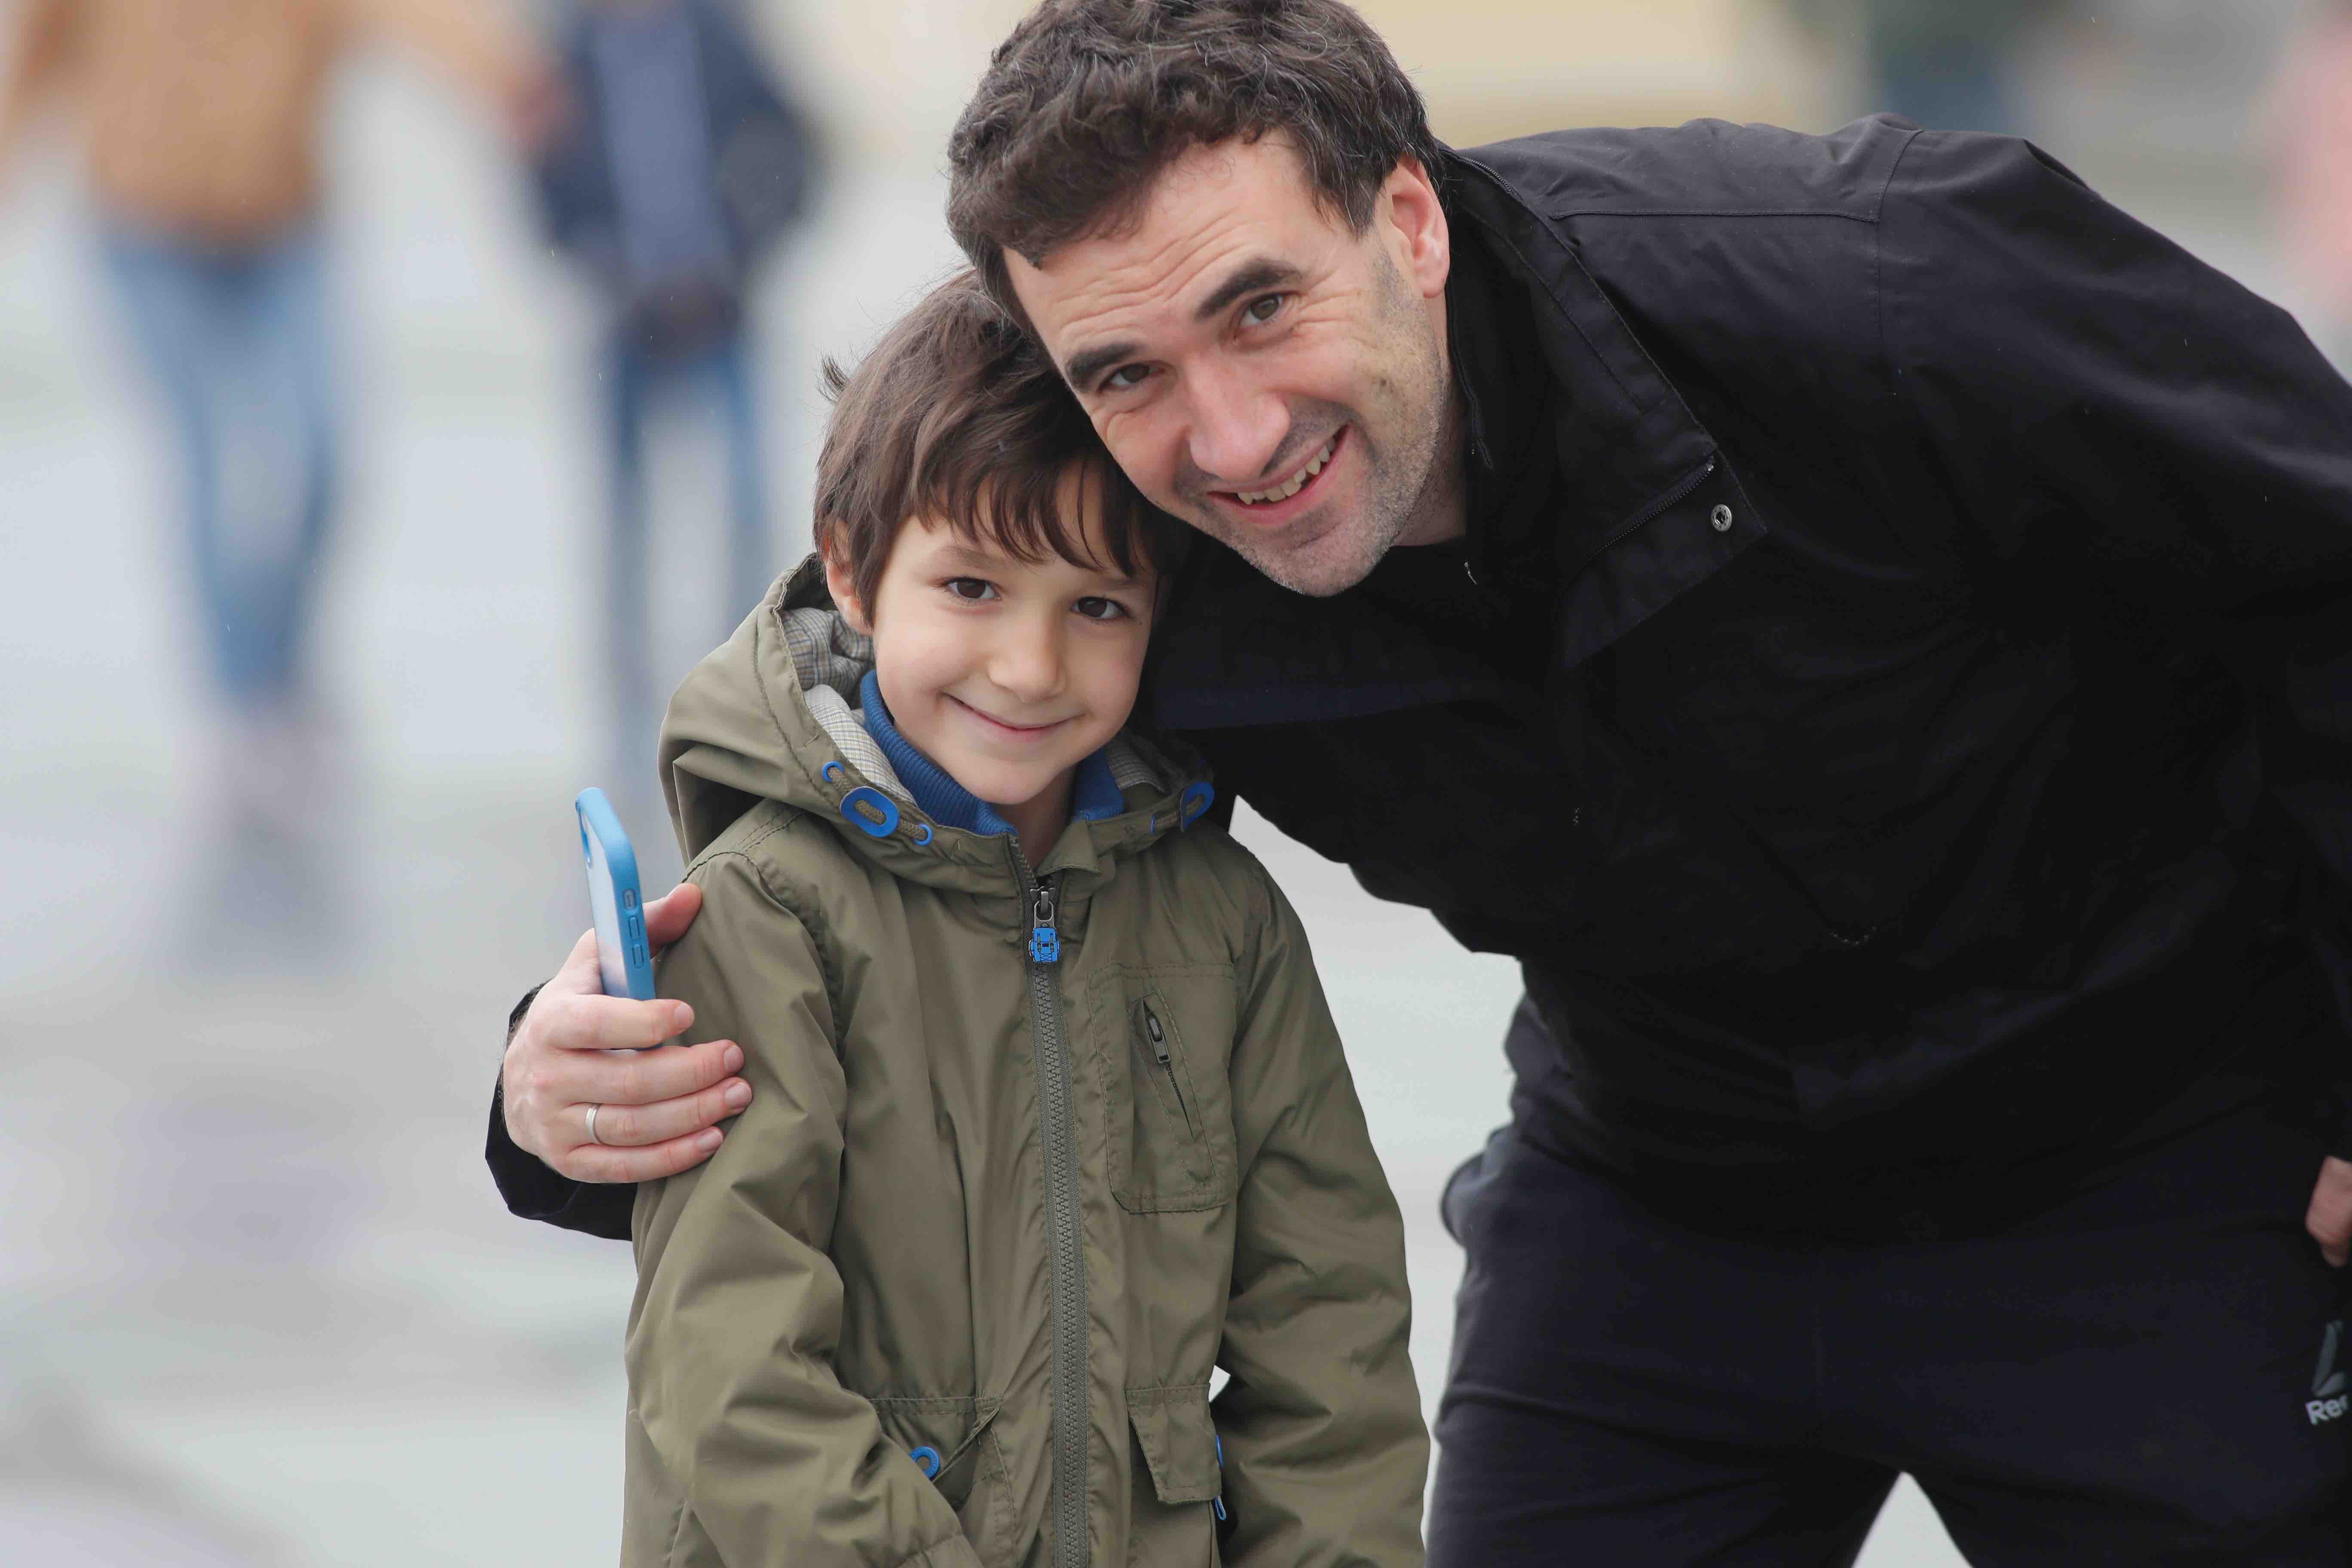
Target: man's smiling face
column 1259, row 368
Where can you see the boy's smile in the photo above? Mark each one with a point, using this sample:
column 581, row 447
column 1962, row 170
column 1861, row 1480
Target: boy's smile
column 1006, row 673
column 1006, row 728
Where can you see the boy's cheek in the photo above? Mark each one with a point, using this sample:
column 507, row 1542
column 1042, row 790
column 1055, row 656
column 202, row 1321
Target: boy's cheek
column 1122, row 680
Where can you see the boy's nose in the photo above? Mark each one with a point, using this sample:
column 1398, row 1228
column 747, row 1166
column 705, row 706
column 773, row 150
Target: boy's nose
column 1028, row 662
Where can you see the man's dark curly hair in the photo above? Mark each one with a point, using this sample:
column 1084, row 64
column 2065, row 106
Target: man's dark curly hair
column 1088, row 99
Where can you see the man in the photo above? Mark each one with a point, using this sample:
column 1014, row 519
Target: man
column 1870, row 627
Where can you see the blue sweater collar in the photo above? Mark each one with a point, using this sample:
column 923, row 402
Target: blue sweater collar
column 1095, row 796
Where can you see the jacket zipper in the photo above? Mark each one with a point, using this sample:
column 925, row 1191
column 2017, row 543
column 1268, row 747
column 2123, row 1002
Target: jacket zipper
column 1682, row 487
column 1152, row 1026
column 1057, row 1128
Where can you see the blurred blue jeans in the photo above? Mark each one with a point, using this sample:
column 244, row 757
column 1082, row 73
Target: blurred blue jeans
column 236, row 342
column 715, row 379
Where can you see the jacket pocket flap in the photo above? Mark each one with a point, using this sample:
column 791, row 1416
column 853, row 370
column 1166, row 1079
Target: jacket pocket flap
column 1179, row 1441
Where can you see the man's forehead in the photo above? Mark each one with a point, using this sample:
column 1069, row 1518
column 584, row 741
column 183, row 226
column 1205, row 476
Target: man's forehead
column 1213, row 211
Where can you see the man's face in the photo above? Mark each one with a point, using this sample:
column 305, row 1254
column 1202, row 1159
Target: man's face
column 1260, row 369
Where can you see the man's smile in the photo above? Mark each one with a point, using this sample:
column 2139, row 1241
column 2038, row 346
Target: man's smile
column 1292, row 494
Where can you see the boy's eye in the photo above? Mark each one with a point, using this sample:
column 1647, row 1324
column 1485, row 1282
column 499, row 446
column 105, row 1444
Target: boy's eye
column 1099, row 609
column 972, row 588
column 1260, row 310
column 1125, row 376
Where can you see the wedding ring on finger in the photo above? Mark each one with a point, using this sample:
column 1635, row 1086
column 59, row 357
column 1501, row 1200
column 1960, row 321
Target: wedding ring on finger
column 592, row 1123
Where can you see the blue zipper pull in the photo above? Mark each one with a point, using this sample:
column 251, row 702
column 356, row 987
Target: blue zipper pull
column 1217, row 1503
column 1044, row 942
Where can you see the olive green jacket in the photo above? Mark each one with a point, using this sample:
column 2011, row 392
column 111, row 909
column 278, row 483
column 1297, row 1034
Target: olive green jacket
column 966, row 1168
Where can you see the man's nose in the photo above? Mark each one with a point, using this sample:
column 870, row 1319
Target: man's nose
column 1238, row 426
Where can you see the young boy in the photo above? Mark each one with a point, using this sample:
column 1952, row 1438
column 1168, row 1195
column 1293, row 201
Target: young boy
column 1051, row 1120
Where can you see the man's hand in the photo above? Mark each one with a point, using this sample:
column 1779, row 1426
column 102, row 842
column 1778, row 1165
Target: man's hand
column 658, row 1106
column 2329, row 1218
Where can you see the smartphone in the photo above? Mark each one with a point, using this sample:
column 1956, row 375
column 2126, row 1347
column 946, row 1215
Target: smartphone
column 623, row 956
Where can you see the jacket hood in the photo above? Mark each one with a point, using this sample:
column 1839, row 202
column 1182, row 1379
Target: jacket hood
column 770, row 715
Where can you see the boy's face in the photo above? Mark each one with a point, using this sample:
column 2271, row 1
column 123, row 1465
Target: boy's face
column 1005, row 673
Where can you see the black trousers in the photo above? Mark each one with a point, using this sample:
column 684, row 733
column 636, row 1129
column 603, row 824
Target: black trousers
column 2144, row 1375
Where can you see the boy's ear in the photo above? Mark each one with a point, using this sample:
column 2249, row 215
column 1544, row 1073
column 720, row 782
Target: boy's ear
column 844, row 589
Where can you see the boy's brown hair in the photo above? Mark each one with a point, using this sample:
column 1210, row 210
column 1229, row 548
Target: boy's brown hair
column 955, row 416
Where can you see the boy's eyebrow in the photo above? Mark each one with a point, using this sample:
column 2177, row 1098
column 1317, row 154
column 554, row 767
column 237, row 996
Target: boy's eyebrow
column 1257, row 273
column 960, row 555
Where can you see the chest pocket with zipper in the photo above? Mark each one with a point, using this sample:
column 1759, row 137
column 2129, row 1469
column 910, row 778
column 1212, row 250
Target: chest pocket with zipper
column 1172, row 1114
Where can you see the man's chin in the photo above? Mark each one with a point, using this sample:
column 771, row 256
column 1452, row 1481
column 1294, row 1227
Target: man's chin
column 1317, row 564
column 1318, row 569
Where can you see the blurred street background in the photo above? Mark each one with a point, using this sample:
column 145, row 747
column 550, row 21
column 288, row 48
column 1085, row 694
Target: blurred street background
column 266, row 906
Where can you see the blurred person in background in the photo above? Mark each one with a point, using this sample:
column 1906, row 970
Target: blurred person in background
column 202, row 124
column 2311, row 135
column 680, row 165
column 1950, row 65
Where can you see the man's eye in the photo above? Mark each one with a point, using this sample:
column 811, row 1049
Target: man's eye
column 971, row 587
column 1125, row 376
column 1259, row 311
column 1095, row 609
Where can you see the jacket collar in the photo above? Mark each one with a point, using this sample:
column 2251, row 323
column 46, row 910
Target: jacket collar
column 1619, row 434
column 1575, row 439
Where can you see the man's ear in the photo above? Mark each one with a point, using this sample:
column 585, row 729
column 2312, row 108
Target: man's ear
column 844, row 589
column 1417, row 219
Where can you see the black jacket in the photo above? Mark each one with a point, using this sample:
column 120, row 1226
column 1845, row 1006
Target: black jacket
column 1896, row 698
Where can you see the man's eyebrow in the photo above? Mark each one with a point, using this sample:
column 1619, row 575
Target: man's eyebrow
column 1259, row 273
column 1082, row 369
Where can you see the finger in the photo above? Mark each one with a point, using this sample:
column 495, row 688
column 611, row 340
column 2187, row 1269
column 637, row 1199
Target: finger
column 602, row 1023
column 2329, row 1217
column 596, row 1162
column 640, row 1126
column 579, row 975
column 641, row 1079
column 667, row 917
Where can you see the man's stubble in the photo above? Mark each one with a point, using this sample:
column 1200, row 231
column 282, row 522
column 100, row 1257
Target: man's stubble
column 1413, row 492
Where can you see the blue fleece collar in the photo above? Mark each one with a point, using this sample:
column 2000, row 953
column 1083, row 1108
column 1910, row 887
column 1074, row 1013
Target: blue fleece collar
column 1095, row 796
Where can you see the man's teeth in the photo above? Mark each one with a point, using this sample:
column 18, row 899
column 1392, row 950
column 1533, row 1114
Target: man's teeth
column 1295, row 483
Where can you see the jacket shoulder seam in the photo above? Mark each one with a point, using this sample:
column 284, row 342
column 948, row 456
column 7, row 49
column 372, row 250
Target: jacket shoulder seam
column 1869, row 217
column 1893, row 167
column 788, row 900
column 1878, row 275
column 1547, row 296
column 1255, row 905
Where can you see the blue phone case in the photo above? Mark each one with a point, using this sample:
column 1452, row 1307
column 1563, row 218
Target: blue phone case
column 623, row 956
